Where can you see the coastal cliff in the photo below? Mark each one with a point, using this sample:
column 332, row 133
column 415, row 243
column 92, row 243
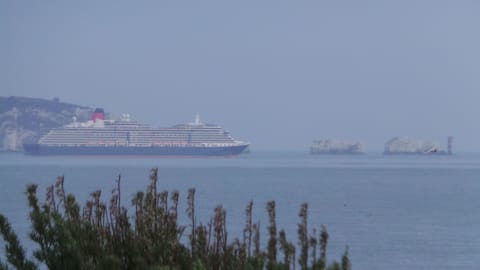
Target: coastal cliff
column 24, row 119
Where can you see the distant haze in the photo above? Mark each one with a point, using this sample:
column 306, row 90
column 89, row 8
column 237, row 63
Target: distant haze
column 276, row 73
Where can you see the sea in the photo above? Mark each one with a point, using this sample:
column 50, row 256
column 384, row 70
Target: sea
column 393, row 212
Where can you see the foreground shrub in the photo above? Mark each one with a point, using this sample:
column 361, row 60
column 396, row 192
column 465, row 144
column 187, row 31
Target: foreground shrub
column 104, row 236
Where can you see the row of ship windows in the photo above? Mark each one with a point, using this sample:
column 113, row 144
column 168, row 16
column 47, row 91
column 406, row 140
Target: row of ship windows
column 140, row 133
column 76, row 137
column 135, row 133
column 137, row 144
column 139, row 128
column 140, row 137
column 142, row 130
column 132, row 141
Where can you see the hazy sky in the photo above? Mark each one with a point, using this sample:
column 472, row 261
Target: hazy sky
column 276, row 73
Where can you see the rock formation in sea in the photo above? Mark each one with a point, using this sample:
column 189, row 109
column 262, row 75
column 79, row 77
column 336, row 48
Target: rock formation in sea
column 331, row 146
column 403, row 145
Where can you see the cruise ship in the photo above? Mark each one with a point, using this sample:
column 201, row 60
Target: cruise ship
column 100, row 136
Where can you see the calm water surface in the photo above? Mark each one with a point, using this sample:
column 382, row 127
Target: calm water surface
column 394, row 212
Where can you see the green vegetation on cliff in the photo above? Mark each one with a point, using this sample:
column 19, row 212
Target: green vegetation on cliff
column 24, row 119
column 103, row 236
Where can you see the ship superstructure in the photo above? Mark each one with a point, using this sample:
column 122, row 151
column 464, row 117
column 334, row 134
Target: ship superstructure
column 125, row 136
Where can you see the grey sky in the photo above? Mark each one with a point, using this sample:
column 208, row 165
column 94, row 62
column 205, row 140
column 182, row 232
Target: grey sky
column 278, row 74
